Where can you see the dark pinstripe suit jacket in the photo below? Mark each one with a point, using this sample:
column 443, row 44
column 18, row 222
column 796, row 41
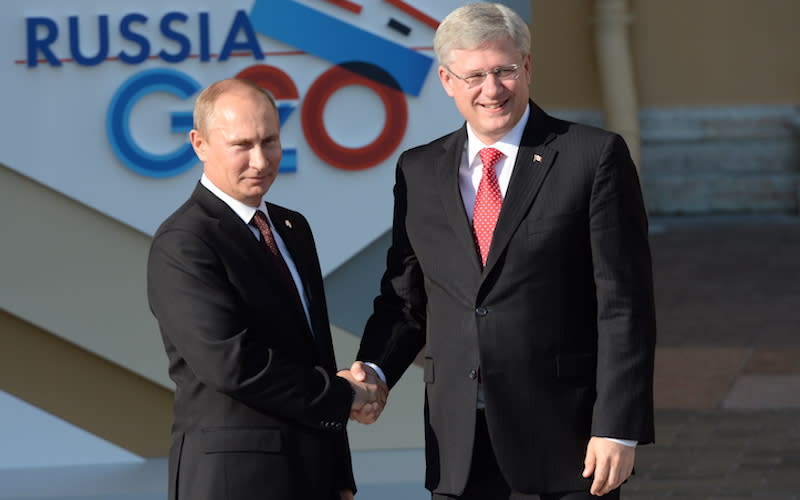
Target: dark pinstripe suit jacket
column 560, row 324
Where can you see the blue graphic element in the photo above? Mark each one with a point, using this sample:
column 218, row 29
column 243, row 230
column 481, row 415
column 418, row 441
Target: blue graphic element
column 74, row 42
column 288, row 162
column 127, row 33
column 339, row 42
column 285, row 111
column 241, row 24
column 118, row 119
column 33, row 24
column 179, row 38
column 181, row 122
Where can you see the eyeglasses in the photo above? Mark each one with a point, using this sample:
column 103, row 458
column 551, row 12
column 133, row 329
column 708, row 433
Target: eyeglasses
column 510, row 72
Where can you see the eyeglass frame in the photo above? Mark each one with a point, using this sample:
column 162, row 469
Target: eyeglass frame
column 514, row 75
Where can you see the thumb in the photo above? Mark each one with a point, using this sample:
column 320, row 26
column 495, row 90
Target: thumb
column 358, row 371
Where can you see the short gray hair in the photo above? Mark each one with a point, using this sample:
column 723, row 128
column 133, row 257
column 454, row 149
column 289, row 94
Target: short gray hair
column 203, row 113
column 475, row 24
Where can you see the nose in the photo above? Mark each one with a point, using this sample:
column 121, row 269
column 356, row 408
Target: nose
column 492, row 85
column 258, row 158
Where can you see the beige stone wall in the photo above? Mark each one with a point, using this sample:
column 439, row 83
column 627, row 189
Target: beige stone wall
column 686, row 52
column 716, row 52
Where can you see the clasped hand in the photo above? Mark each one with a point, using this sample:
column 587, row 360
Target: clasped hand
column 371, row 392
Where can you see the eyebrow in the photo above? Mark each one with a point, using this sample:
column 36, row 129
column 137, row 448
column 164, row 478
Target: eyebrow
column 472, row 72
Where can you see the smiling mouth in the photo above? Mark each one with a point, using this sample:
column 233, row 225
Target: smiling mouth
column 495, row 106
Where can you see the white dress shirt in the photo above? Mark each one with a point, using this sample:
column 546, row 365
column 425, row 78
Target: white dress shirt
column 246, row 213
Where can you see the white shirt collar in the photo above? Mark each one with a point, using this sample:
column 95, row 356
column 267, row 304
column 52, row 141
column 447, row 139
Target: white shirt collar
column 508, row 144
column 245, row 212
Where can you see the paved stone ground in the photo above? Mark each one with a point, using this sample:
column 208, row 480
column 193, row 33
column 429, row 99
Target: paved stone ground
column 720, row 455
column 728, row 361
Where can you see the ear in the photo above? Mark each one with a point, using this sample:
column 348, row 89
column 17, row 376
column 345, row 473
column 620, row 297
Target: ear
column 199, row 145
column 447, row 80
column 526, row 66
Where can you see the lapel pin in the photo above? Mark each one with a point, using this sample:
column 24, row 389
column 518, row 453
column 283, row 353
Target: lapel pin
column 537, row 158
column 288, row 223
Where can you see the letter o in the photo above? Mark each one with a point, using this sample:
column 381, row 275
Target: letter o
column 333, row 153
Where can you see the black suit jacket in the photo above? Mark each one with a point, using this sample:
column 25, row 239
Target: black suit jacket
column 559, row 326
column 258, row 409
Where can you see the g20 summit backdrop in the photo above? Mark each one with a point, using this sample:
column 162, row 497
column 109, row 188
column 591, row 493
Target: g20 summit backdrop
column 97, row 99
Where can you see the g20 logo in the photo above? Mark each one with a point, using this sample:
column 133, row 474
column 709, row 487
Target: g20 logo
column 359, row 58
column 284, row 89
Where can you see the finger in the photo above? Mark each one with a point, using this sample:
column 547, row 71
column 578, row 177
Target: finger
column 359, row 371
column 360, row 417
column 383, row 393
column 619, row 473
column 370, row 415
column 600, row 478
column 612, row 480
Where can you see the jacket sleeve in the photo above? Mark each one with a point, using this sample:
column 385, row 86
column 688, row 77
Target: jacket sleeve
column 395, row 332
column 625, row 303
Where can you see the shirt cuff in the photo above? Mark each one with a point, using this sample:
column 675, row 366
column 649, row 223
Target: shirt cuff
column 631, row 443
column 377, row 370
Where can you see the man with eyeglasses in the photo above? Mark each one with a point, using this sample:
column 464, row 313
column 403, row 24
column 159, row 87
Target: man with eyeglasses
column 520, row 267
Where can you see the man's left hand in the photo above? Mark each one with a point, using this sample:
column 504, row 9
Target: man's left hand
column 611, row 464
column 346, row 495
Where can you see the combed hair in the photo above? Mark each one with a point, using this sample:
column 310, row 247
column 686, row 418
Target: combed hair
column 203, row 113
column 475, row 24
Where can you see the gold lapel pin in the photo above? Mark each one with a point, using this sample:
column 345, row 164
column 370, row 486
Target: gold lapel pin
column 288, row 224
column 537, row 158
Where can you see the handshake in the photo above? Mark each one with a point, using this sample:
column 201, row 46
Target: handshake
column 371, row 392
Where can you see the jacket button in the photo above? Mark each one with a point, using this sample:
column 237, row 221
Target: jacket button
column 473, row 374
column 481, row 311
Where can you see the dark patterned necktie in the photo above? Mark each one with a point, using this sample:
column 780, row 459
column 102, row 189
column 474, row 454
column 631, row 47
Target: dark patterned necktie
column 268, row 240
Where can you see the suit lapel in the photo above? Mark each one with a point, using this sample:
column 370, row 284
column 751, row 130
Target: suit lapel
column 285, row 223
column 299, row 243
column 448, row 166
column 534, row 160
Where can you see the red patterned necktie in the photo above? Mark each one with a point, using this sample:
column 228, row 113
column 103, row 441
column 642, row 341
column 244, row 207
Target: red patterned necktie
column 488, row 201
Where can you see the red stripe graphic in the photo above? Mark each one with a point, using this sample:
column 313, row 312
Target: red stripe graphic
column 347, row 5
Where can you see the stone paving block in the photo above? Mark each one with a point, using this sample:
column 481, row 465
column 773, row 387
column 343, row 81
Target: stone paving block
column 727, row 281
column 764, row 391
column 721, row 454
column 696, row 377
column 727, row 497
